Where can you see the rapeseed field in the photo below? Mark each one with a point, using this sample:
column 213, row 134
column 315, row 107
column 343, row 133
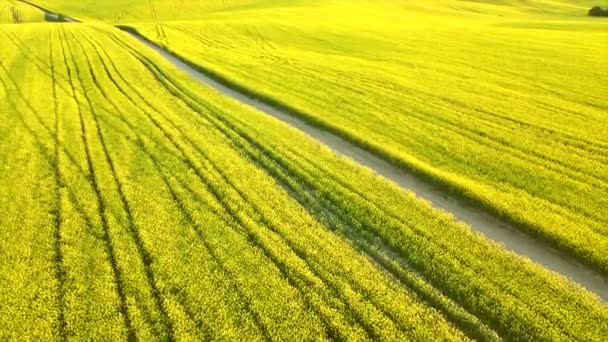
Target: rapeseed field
column 137, row 203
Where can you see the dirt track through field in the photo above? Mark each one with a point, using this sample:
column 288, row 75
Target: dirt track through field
column 482, row 222
column 49, row 15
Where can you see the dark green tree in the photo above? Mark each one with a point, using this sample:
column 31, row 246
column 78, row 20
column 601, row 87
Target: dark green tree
column 597, row 11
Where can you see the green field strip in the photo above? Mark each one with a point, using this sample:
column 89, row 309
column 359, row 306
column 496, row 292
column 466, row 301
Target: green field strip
column 58, row 210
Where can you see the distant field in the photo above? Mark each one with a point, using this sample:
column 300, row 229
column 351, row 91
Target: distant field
column 128, row 11
column 504, row 104
column 143, row 204
column 132, row 11
column 14, row 12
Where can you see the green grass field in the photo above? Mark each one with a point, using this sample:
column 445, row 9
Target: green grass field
column 139, row 204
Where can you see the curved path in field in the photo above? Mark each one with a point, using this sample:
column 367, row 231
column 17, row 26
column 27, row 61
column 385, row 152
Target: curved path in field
column 493, row 228
column 479, row 220
column 49, row 15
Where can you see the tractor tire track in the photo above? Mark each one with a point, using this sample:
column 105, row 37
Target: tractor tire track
column 47, row 153
column 58, row 214
column 109, row 245
column 183, row 302
column 451, row 124
column 182, row 207
column 143, row 254
column 42, row 65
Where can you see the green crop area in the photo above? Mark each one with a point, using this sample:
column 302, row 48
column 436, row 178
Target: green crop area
column 138, row 203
